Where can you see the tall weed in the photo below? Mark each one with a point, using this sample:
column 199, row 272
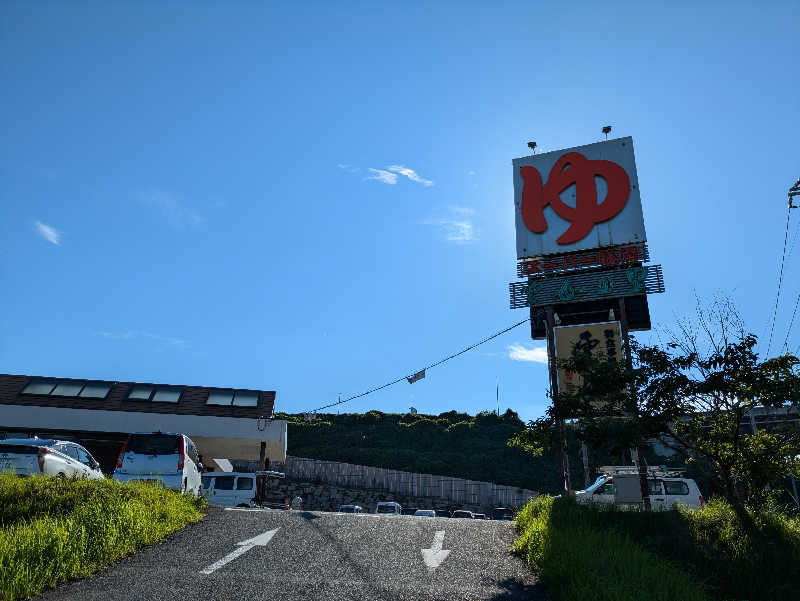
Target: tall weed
column 91, row 525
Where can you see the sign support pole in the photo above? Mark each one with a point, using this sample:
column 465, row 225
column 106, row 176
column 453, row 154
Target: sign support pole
column 552, row 362
column 641, row 462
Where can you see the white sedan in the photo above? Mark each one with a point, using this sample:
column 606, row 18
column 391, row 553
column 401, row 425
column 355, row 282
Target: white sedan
column 32, row 456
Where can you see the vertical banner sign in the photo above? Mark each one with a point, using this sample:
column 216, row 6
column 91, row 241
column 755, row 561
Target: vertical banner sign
column 601, row 340
column 577, row 199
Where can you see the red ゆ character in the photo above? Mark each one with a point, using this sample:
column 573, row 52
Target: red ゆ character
column 573, row 168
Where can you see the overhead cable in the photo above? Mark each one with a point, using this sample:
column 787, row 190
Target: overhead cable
column 791, row 323
column 780, row 281
column 432, row 365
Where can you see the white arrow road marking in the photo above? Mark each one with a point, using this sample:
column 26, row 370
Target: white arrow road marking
column 434, row 556
column 257, row 541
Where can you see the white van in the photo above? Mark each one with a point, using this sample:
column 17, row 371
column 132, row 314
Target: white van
column 389, row 508
column 230, row 489
column 620, row 486
column 167, row 457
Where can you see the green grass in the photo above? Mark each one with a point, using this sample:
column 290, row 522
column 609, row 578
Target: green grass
column 577, row 561
column 54, row 530
column 716, row 553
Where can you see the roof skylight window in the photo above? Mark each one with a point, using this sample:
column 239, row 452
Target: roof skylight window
column 95, row 391
column 39, row 387
column 167, row 395
column 88, row 390
column 140, row 393
column 244, row 398
column 235, row 398
column 220, row 397
column 67, row 389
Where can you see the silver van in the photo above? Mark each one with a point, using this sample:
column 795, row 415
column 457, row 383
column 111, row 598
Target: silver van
column 620, row 486
column 230, row 489
column 170, row 458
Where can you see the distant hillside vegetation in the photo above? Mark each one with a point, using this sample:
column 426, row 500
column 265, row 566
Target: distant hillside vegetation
column 448, row 444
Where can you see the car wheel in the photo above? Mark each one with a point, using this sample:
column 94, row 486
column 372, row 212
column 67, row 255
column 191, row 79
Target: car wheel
column 62, row 475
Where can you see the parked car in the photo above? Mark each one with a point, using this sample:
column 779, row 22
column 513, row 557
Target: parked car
column 463, row 513
column 31, row 456
column 230, row 489
column 442, row 513
column 351, row 509
column 621, row 486
column 480, row 516
column 502, row 513
column 166, row 457
column 425, row 513
column 389, row 507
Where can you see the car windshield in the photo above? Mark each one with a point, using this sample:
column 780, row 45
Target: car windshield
column 207, row 481
column 386, row 509
column 154, row 444
column 600, row 480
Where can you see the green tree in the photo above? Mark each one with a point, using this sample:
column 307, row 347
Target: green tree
column 693, row 394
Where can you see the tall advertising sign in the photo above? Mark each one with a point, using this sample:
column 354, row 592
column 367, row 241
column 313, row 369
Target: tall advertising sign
column 582, row 254
column 580, row 229
column 576, row 199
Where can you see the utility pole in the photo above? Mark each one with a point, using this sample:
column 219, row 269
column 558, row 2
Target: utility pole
column 641, row 462
column 552, row 362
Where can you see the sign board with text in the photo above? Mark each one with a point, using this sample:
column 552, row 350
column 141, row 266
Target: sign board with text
column 601, row 340
column 586, row 286
column 577, row 199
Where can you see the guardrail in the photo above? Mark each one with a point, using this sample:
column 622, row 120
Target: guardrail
column 454, row 490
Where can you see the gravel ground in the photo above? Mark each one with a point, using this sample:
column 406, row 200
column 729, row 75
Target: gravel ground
column 316, row 556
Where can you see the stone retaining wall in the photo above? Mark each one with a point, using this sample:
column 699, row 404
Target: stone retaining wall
column 327, row 497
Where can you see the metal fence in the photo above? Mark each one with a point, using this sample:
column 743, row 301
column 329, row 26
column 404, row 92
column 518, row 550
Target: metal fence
column 454, row 490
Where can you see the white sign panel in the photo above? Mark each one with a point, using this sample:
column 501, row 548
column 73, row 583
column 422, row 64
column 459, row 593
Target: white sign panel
column 577, row 199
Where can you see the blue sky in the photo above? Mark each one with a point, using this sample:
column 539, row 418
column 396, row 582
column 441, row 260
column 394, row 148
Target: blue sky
column 318, row 199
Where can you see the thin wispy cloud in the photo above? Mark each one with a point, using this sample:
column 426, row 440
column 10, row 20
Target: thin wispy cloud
column 138, row 334
column 459, row 210
column 410, row 174
column 457, row 226
column 387, row 177
column 390, row 174
column 520, row 352
column 48, row 232
column 175, row 211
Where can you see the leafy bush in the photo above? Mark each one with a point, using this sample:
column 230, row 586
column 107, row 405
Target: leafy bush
column 450, row 444
column 748, row 555
column 53, row 530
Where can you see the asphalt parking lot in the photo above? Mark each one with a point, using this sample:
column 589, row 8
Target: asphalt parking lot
column 317, row 556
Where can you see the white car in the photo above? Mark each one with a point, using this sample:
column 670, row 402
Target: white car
column 230, row 489
column 389, row 508
column 425, row 513
column 621, row 487
column 351, row 509
column 166, row 457
column 30, row 456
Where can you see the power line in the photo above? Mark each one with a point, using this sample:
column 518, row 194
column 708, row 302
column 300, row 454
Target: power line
column 791, row 323
column 780, row 279
column 432, row 365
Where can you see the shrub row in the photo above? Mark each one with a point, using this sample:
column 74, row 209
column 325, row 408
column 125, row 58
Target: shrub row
column 79, row 528
column 717, row 552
